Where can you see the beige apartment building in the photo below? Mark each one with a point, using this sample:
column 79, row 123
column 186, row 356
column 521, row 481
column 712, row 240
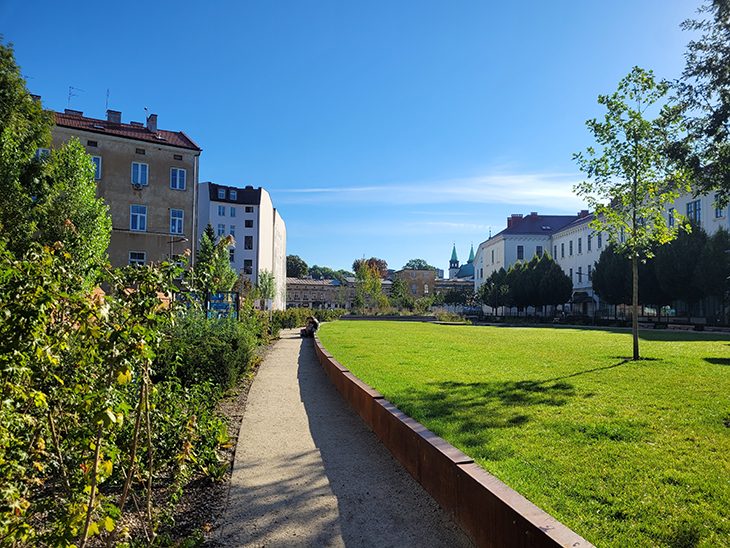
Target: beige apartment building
column 149, row 179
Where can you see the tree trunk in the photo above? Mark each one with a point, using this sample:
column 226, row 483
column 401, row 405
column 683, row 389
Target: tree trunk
column 635, row 305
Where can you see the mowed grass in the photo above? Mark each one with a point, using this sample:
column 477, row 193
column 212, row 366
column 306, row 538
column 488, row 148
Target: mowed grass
column 624, row 453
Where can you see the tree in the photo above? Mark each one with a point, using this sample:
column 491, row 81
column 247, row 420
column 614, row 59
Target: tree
column 494, row 291
column 368, row 283
column 612, row 276
column 399, row 295
column 418, row 264
column 678, row 265
column 46, row 198
column 295, row 267
column 379, row 264
column 322, row 273
column 207, row 245
column 632, row 179
column 556, row 287
column 714, row 268
column 266, row 286
column 703, row 94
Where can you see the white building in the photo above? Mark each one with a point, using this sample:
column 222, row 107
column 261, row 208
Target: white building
column 249, row 216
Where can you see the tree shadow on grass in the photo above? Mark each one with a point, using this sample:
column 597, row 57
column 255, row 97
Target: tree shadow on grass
column 718, row 361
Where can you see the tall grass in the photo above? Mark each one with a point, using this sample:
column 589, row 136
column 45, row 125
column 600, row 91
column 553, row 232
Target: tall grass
column 627, row 454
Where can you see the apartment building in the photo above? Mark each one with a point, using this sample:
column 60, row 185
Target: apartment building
column 249, row 216
column 147, row 176
column 421, row 283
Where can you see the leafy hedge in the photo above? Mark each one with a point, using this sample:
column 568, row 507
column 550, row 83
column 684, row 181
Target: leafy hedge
column 89, row 430
column 297, row 317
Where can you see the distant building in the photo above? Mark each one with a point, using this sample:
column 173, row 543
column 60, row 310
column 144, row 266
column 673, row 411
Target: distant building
column 147, row 176
column 249, row 216
column 421, row 283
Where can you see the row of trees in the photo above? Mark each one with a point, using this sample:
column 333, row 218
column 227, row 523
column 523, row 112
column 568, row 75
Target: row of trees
column 690, row 268
column 538, row 283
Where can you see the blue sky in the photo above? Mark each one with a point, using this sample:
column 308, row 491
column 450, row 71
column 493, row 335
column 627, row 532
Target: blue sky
column 380, row 128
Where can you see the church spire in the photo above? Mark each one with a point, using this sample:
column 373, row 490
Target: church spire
column 471, row 255
column 454, row 258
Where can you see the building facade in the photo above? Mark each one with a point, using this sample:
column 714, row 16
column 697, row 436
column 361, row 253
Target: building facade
column 147, row 176
column 249, row 216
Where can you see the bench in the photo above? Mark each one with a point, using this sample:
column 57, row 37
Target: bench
column 646, row 325
column 680, row 327
column 717, row 329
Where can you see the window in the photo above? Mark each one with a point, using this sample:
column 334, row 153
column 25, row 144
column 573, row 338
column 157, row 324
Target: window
column 425, row 274
column 232, row 255
column 221, row 211
column 97, row 166
column 590, row 273
column 580, row 274
column 589, row 240
column 177, row 156
column 138, row 218
column 248, row 267
column 92, row 144
column 571, row 275
column 580, row 246
column 248, row 242
column 570, row 248
column 221, row 230
column 694, row 210
column 222, row 193
column 137, row 258
column 555, row 251
column 249, row 223
column 234, row 194
column 520, row 252
column 233, row 212
column 296, row 295
column 670, row 222
column 492, row 256
column 140, row 151
column 176, row 221
column 139, row 173
column 413, row 288
column 538, row 251
column 305, row 296
column 413, row 274
column 232, row 232
column 249, row 209
column 177, row 179
column 562, row 250
column 425, row 289
column 600, row 236
column 719, row 212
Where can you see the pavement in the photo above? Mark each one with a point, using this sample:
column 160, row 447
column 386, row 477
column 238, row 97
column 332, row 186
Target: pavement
column 309, row 472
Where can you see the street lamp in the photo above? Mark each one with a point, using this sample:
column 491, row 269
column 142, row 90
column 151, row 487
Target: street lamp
column 178, row 241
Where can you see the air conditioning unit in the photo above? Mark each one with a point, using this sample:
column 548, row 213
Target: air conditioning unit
column 137, row 186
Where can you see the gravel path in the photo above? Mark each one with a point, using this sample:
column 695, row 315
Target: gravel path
column 309, row 473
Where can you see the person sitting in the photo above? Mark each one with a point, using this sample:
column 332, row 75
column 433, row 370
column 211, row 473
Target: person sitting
column 311, row 328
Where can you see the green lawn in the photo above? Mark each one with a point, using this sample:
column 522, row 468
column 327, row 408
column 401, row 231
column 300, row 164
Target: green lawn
column 624, row 453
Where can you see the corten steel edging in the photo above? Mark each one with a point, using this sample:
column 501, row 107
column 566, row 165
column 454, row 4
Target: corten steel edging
column 491, row 513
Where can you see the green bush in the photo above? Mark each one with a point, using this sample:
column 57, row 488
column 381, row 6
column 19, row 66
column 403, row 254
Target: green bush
column 201, row 350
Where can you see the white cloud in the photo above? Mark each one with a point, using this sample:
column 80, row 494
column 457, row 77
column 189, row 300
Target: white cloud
column 534, row 190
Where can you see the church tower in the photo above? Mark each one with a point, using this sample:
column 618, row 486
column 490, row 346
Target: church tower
column 453, row 264
column 471, row 255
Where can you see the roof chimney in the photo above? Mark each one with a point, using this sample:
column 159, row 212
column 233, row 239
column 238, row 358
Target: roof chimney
column 533, row 214
column 73, row 112
column 36, row 98
column 152, row 123
column 114, row 116
column 513, row 219
column 583, row 213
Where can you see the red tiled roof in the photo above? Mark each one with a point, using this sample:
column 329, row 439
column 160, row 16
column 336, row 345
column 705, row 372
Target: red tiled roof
column 138, row 133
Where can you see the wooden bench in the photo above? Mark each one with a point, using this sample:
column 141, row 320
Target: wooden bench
column 717, row 329
column 680, row 327
column 646, row 325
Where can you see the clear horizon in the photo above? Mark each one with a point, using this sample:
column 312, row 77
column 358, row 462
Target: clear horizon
column 393, row 130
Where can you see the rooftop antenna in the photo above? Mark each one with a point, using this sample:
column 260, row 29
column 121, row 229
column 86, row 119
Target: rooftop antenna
column 107, row 100
column 490, row 231
column 71, row 93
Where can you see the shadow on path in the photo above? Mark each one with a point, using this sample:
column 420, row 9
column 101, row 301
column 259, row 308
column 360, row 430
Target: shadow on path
column 379, row 503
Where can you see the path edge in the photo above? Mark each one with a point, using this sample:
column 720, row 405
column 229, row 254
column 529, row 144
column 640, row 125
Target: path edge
column 492, row 514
